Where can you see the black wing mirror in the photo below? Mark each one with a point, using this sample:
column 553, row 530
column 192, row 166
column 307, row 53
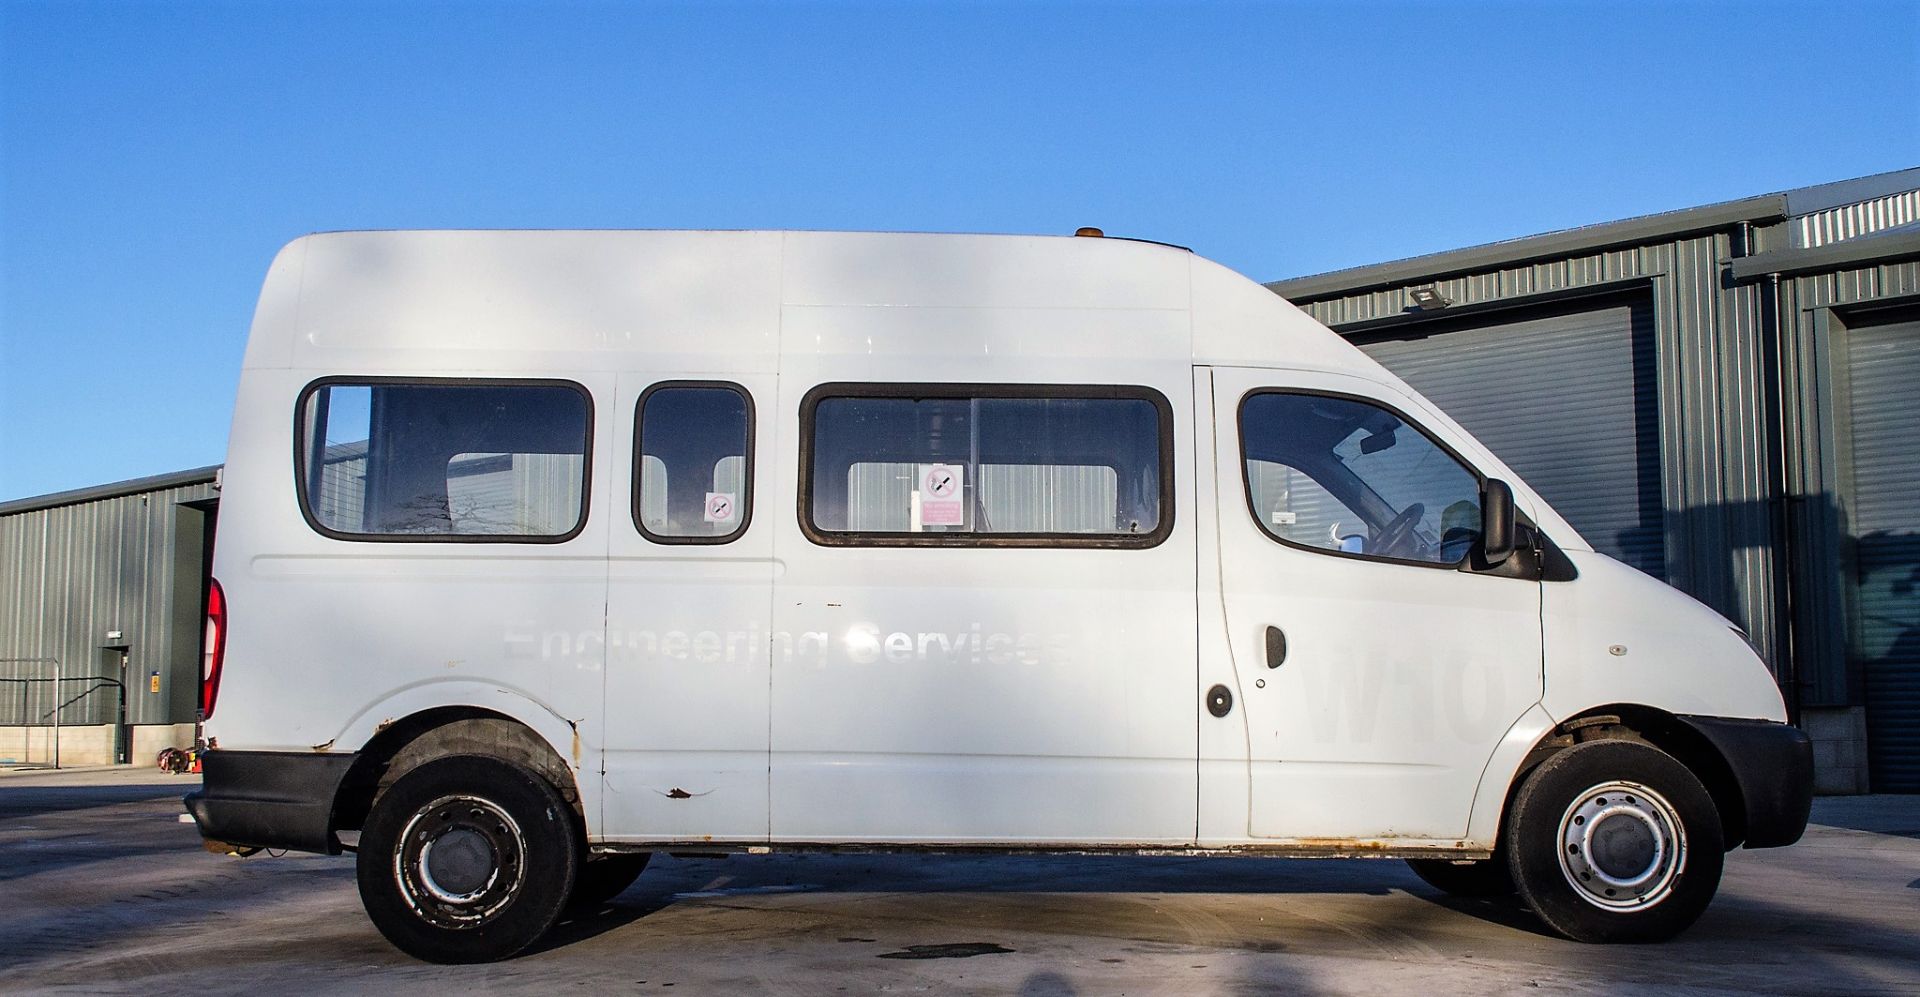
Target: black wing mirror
column 1497, row 524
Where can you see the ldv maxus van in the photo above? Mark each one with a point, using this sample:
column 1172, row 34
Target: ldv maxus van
column 540, row 552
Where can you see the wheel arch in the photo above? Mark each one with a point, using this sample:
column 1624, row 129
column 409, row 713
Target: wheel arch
column 1650, row 725
column 403, row 744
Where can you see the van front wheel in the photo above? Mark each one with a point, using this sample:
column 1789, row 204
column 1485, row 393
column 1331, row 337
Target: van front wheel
column 467, row 859
column 1615, row 841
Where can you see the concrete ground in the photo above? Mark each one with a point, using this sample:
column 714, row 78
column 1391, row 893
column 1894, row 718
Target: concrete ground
column 102, row 889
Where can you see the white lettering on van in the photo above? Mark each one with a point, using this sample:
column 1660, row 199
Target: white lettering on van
column 862, row 643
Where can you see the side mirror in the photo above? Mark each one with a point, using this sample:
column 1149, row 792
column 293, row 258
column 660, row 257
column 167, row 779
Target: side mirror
column 1497, row 524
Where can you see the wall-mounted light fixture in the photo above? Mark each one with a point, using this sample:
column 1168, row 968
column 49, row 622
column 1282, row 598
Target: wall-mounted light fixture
column 1428, row 298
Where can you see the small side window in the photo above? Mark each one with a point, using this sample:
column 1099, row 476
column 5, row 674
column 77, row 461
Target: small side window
column 451, row 461
column 1348, row 476
column 693, row 462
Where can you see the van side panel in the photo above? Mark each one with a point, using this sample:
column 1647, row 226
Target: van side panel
column 1619, row 636
column 981, row 694
column 525, row 302
column 324, row 633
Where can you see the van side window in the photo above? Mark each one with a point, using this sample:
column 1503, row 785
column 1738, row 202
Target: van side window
column 1348, row 476
column 443, row 460
column 943, row 465
column 693, row 462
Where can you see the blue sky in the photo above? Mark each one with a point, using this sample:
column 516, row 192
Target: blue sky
column 154, row 156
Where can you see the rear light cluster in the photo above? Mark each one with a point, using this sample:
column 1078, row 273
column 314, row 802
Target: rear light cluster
column 214, row 650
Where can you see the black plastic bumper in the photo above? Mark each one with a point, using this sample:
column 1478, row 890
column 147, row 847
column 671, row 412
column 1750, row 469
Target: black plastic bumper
column 270, row 799
column 1773, row 763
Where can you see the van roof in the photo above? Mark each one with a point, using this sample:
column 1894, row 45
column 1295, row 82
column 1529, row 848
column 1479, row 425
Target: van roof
column 532, row 300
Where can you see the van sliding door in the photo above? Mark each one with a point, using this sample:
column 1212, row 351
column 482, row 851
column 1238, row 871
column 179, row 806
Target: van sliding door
column 690, row 574
column 984, row 626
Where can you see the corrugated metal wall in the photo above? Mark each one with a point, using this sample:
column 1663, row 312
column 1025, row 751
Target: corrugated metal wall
column 1716, row 474
column 1844, row 528
column 1815, row 310
column 75, row 572
column 1882, row 501
column 1821, row 228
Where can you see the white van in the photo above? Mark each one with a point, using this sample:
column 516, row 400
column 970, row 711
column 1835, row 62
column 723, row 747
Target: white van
column 543, row 551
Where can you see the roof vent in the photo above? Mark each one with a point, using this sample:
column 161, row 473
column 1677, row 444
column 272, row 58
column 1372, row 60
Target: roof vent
column 1089, row 232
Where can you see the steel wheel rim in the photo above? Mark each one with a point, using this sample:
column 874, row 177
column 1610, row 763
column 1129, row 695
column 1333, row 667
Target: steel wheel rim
column 460, row 860
column 1622, row 846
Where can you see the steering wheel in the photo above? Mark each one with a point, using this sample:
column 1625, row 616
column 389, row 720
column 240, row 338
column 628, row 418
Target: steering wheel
column 1398, row 530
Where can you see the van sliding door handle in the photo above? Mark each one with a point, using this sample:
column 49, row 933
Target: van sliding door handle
column 1276, row 647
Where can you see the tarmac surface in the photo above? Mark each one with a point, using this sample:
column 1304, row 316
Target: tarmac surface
column 102, row 889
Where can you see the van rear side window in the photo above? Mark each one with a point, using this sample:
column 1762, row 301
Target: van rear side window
column 455, row 461
column 694, row 462
column 981, row 465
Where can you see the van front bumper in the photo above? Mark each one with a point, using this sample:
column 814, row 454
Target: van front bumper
column 270, row 799
column 1773, row 764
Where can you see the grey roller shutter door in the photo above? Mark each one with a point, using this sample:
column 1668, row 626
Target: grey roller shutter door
column 1570, row 402
column 1883, row 365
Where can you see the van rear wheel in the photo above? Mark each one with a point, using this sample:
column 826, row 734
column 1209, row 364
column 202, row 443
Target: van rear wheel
column 1482, row 878
column 1615, row 841
column 467, row 859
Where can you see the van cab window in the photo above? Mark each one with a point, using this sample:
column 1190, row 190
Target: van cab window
column 1348, row 476
column 693, row 462
column 459, row 461
column 942, row 464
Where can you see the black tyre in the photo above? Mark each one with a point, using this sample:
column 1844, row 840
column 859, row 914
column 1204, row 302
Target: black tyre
column 1483, row 878
column 467, row 859
column 605, row 877
column 1615, row 841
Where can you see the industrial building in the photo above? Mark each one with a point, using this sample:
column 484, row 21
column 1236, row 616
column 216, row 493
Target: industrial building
column 102, row 594
column 1726, row 397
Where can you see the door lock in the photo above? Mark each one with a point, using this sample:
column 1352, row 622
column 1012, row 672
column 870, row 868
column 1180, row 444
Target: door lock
column 1219, row 701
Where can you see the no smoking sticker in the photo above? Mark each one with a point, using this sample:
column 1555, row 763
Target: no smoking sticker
column 721, row 507
column 942, row 487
